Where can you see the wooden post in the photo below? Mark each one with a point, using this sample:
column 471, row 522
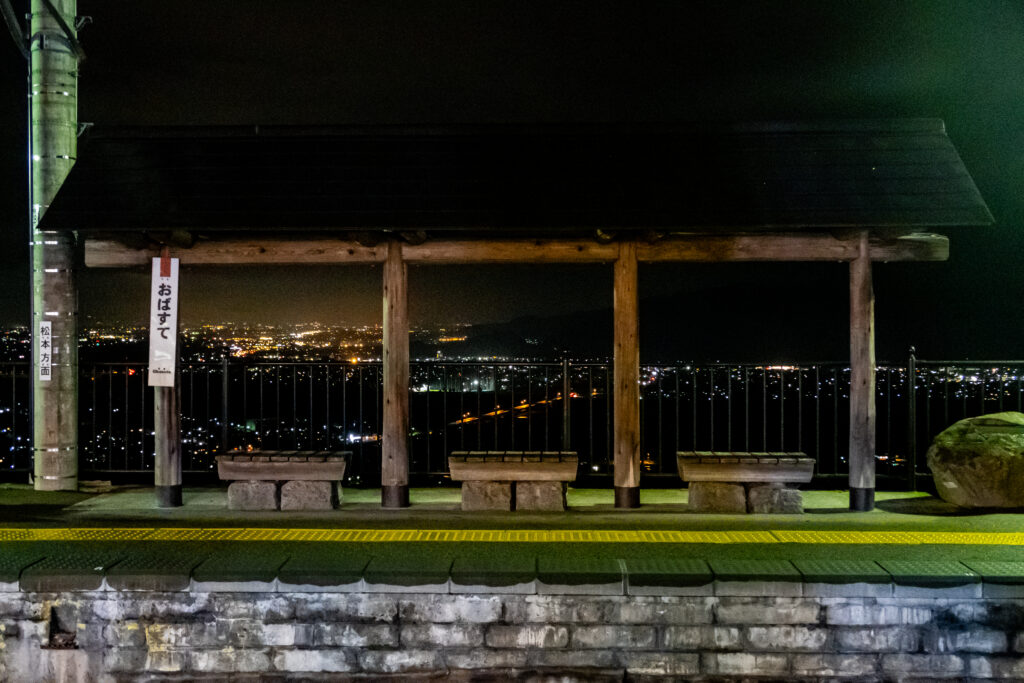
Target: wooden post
column 53, row 91
column 626, row 379
column 167, row 432
column 167, row 435
column 394, row 474
column 862, row 381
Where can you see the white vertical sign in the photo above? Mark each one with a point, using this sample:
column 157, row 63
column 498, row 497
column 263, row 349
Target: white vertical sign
column 163, row 322
column 45, row 347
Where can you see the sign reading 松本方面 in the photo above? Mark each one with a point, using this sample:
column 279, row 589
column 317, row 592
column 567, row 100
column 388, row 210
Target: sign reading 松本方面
column 45, row 347
column 163, row 322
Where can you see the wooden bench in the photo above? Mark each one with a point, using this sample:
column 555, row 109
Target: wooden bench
column 283, row 480
column 744, row 482
column 513, row 480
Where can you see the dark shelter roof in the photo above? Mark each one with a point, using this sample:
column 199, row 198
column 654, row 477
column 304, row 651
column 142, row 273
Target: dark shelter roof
column 902, row 174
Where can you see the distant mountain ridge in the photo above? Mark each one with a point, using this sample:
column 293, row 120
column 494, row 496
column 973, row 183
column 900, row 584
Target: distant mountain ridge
column 771, row 323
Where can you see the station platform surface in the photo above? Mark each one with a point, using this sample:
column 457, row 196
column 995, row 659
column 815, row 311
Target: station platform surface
column 75, row 541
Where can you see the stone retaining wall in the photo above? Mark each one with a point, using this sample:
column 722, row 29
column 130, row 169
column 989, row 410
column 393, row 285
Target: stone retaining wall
column 118, row 635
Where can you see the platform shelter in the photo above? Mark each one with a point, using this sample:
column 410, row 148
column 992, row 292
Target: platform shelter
column 851, row 192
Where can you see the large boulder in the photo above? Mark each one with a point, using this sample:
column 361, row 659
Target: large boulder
column 979, row 462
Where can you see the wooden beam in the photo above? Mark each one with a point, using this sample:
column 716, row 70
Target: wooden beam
column 862, row 382
column 792, row 247
column 512, row 251
column 692, row 248
column 626, row 378
column 232, row 251
column 394, row 445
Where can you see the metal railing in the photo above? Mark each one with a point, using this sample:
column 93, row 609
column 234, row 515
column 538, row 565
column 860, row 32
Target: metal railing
column 15, row 421
column 514, row 406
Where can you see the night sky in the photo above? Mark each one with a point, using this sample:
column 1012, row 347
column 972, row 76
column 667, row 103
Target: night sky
column 522, row 61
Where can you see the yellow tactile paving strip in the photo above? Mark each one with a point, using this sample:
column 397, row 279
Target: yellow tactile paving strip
column 512, row 536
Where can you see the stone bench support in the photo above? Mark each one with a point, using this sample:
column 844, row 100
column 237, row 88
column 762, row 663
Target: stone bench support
column 283, row 480
column 513, row 480
column 739, row 483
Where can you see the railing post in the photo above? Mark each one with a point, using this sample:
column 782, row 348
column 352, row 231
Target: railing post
column 224, row 405
column 912, row 420
column 566, row 410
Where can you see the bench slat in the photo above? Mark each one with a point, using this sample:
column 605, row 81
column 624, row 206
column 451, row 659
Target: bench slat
column 745, row 467
column 515, row 466
column 280, row 467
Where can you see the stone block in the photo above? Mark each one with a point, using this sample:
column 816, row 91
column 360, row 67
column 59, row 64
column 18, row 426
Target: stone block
column 355, row 635
column 924, row 666
column 165, row 661
column 767, row 611
column 717, row 498
column 278, row 635
column 487, row 495
column 125, row 634
column 441, row 609
column 754, row 588
column 966, row 591
column 774, row 499
column 253, row 495
column 124, row 660
column 1002, row 668
column 614, row 637
column 701, row 638
column 961, row 640
column 342, row 607
column 847, row 590
column 746, row 663
column 559, row 609
column 400, row 661
column 546, row 496
column 661, row 664
column 588, row 665
column 696, row 610
column 783, row 638
column 859, row 614
column 527, row 636
column 442, row 636
column 267, row 607
column 1002, row 590
column 880, row 639
column 486, row 659
column 230, row 660
column 234, row 586
column 617, row 588
column 13, row 604
column 526, row 588
column 308, row 495
column 320, row 661
column 835, row 665
column 162, row 636
column 670, row 591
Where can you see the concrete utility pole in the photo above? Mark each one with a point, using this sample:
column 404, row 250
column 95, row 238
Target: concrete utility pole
column 53, row 99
